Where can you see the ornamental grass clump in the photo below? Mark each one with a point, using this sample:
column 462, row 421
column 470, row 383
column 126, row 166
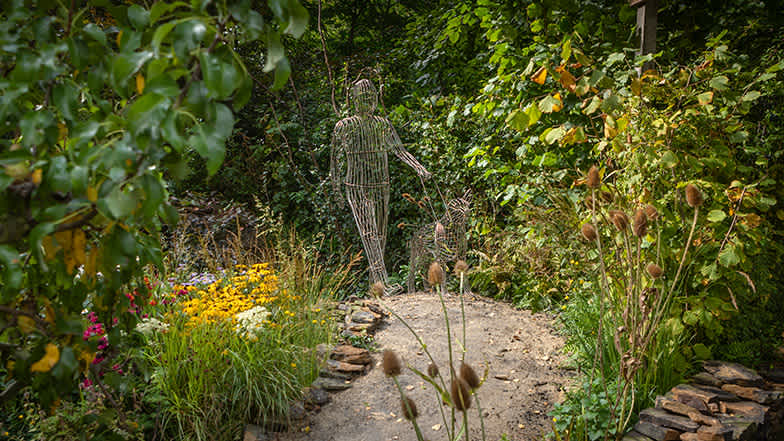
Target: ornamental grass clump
column 636, row 305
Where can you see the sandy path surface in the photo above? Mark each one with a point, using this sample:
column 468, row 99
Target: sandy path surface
column 520, row 350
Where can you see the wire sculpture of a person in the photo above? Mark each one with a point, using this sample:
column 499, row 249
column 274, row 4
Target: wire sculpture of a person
column 361, row 143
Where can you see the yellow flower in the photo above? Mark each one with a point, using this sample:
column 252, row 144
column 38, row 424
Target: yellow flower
column 315, row 321
column 293, row 365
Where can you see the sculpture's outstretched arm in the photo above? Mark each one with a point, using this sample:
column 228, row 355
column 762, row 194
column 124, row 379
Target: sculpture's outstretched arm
column 397, row 148
column 336, row 166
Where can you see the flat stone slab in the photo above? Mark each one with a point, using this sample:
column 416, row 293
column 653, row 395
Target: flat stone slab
column 733, row 373
column 664, row 418
column 747, row 409
column 706, row 379
column 656, row 432
column 753, row 393
column 635, row 436
column 340, row 366
column 363, row 317
column 351, row 354
column 742, row 428
column 693, row 414
column 330, row 384
column 715, row 433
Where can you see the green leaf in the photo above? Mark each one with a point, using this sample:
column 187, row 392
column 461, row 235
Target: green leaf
column 282, row 73
column 126, row 65
column 533, row 114
column 64, row 97
column 716, row 216
column 138, row 16
column 274, row 51
column 751, row 95
column 517, row 120
column 593, row 106
column 553, row 135
column 221, row 78
column 212, row 152
column 147, row 112
column 719, row 83
column 171, row 132
column 120, row 203
column 298, row 19
column 669, row 159
column 729, row 256
column 615, row 58
column 702, row 352
column 96, row 33
column 549, row 104
column 705, row 98
column 160, row 33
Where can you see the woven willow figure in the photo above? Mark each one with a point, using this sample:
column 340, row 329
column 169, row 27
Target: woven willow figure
column 443, row 240
column 360, row 143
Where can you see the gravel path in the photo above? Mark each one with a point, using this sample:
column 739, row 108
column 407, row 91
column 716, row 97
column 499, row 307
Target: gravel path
column 519, row 349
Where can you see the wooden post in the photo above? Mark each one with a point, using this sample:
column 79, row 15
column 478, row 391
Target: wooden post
column 646, row 26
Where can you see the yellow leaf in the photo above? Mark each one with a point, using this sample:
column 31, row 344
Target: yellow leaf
column 139, row 83
column 78, row 246
column 91, row 266
column 25, row 323
column 559, row 106
column 50, row 248
column 87, row 357
column 37, row 175
column 62, row 131
column 568, row 81
column 119, row 37
column 705, row 98
column 92, row 193
column 636, row 86
column 540, row 75
column 47, row 362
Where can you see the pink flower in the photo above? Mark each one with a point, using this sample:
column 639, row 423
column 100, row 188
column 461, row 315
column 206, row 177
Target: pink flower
column 97, row 359
column 86, row 383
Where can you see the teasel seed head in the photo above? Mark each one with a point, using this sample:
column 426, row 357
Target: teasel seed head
column 461, row 267
column 409, row 408
column 468, row 374
column 391, row 363
column 619, row 219
column 432, row 370
column 589, row 232
column 655, row 271
column 651, row 212
column 440, row 230
column 606, row 196
column 693, row 196
column 593, row 179
column 640, row 223
column 407, row 197
column 377, row 290
column 421, row 204
column 461, row 394
column 435, row 274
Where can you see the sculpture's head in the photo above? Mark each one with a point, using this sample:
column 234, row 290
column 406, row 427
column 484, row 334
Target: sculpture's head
column 364, row 97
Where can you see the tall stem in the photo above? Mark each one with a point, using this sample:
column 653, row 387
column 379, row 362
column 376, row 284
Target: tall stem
column 408, row 409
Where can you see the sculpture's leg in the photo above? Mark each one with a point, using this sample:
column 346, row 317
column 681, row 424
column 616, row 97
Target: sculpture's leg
column 363, row 202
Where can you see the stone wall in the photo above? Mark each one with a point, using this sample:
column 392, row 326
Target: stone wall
column 726, row 401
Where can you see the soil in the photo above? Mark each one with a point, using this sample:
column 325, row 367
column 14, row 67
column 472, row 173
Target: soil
column 519, row 349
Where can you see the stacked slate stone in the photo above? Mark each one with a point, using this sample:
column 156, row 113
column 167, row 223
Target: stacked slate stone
column 726, row 402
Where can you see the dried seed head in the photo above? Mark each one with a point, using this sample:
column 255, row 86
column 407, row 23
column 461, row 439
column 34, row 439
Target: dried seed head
column 589, row 201
column 651, row 212
column 401, row 225
column 607, row 196
column 440, row 230
column 619, row 219
column 435, row 274
column 391, row 363
column 589, row 232
column 409, row 408
column 377, row 290
column 461, row 394
column 421, row 204
column 593, row 179
column 655, row 271
column 693, row 196
column 461, row 266
column 432, row 370
column 640, row 223
column 468, row 374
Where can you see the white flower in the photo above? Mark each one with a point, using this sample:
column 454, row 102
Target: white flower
column 149, row 325
column 250, row 321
